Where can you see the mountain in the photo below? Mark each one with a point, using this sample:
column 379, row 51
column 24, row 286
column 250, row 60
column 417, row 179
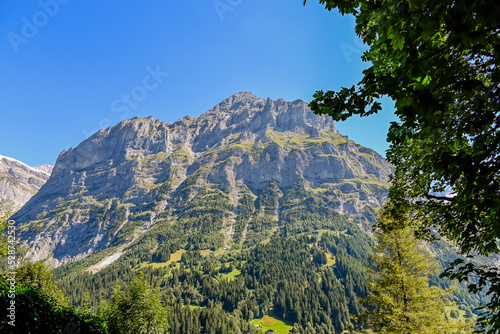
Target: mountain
column 143, row 171
column 19, row 182
column 257, row 208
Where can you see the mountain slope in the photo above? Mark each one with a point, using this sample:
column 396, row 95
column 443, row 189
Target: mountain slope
column 19, row 182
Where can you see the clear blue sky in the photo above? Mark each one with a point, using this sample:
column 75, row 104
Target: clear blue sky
column 66, row 65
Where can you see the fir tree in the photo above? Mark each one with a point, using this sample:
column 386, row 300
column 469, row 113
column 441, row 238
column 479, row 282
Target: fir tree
column 401, row 300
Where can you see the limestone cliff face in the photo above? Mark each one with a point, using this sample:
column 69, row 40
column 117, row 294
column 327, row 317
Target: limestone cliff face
column 142, row 169
column 19, row 182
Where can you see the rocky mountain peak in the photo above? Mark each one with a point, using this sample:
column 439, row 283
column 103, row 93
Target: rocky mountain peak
column 241, row 98
column 244, row 107
column 241, row 112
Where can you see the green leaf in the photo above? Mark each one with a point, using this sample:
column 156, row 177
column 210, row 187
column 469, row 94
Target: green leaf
column 398, row 42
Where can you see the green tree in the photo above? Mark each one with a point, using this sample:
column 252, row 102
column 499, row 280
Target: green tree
column 5, row 213
column 438, row 60
column 136, row 309
column 39, row 276
column 401, row 300
column 35, row 305
column 36, row 312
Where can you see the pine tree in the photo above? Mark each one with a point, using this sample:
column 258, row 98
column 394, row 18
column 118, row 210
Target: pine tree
column 401, row 300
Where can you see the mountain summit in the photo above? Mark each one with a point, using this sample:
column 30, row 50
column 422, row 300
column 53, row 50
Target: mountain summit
column 18, row 182
column 122, row 182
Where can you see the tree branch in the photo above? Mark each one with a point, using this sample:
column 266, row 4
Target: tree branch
column 439, row 198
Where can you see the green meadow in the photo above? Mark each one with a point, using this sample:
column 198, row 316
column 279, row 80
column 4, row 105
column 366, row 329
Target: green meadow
column 268, row 322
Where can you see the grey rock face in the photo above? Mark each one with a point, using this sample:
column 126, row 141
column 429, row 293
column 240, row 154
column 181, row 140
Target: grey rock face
column 19, row 182
column 144, row 167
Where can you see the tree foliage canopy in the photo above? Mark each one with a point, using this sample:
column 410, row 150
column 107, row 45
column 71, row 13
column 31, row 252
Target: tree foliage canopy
column 34, row 304
column 438, row 60
column 135, row 309
column 39, row 276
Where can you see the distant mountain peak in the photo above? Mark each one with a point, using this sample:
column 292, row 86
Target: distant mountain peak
column 19, row 182
column 44, row 168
